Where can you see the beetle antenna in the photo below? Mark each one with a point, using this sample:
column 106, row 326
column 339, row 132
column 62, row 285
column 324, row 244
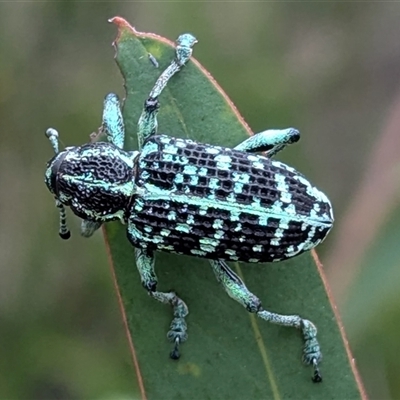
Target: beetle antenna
column 52, row 135
column 64, row 231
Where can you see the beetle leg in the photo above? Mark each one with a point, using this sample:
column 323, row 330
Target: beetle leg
column 113, row 123
column 89, row 227
column 271, row 141
column 147, row 124
column 238, row 291
column 178, row 328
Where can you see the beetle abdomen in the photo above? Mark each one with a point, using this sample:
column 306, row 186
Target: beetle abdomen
column 221, row 203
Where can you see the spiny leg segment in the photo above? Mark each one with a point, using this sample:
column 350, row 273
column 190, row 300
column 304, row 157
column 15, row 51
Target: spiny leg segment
column 271, row 141
column 147, row 124
column 238, row 291
column 178, row 328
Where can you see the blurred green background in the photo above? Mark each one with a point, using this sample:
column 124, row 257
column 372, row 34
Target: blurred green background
column 330, row 69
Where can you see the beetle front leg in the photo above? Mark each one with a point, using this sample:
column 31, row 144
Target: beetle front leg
column 147, row 124
column 89, row 227
column 271, row 141
column 178, row 328
column 113, row 123
column 238, row 291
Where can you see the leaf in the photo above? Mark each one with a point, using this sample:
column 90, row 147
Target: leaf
column 230, row 354
column 372, row 311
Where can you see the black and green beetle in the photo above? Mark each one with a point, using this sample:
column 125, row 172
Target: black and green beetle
column 184, row 197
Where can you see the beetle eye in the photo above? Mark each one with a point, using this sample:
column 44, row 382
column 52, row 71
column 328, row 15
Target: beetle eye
column 51, row 180
column 51, row 176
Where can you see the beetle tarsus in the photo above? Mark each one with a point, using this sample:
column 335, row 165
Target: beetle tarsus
column 317, row 378
column 175, row 355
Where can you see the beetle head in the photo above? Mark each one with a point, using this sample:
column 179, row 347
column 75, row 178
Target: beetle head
column 95, row 180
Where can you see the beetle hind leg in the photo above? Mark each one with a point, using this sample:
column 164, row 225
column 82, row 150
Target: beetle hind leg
column 238, row 291
column 178, row 328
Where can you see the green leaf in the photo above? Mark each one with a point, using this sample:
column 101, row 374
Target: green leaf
column 372, row 313
column 230, row 354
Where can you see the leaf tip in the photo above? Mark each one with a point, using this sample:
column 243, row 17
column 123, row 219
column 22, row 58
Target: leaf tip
column 120, row 22
column 123, row 27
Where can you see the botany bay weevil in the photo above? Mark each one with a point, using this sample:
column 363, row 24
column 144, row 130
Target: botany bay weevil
column 184, row 197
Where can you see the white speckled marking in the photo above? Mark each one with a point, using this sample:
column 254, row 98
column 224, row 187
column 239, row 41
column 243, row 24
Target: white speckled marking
column 223, row 161
column 182, row 228
column 238, row 187
column 194, row 180
column 171, row 216
column 171, row 149
column 218, row 223
column 212, row 150
column 213, row 183
column 190, row 170
column 200, row 253
column 203, row 171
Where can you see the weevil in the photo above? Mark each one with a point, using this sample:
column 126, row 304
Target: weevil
column 180, row 196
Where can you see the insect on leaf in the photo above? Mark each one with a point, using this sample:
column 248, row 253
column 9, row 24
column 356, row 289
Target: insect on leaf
column 230, row 354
